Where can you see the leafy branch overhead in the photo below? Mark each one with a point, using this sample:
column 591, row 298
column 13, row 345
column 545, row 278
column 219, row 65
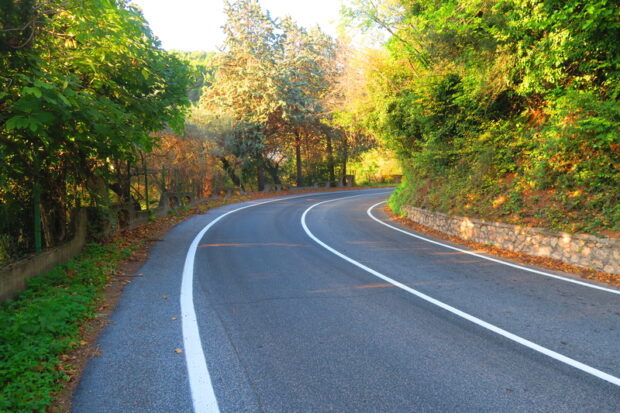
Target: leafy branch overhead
column 82, row 86
column 91, row 84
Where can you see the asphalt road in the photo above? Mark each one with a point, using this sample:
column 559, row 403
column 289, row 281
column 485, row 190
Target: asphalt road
column 286, row 325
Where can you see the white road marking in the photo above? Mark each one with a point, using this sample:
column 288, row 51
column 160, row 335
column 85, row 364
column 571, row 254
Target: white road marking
column 557, row 356
column 532, row 270
column 203, row 395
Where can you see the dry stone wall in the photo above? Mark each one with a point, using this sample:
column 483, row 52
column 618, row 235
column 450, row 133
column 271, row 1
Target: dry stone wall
column 587, row 251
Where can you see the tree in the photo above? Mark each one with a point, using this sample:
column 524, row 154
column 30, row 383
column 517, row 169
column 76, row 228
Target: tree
column 204, row 71
column 83, row 83
column 270, row 80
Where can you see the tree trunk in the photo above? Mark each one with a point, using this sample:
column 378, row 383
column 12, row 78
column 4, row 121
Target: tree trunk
column 230, row 171
column 37, row 215
column 330, row 157
column 122, row 187
column 298, row 158
column 146, row 181
column 260, row 177
column 53, row 207
column 127, row 192
column 274, row 170
column 345, row 158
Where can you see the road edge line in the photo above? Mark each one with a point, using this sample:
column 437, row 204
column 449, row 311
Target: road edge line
column 201, row 387
column 513, row 337
column 509, row 264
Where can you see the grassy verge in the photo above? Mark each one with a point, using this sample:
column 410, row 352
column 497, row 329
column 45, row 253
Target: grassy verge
column 43, row 324
column 43, row 329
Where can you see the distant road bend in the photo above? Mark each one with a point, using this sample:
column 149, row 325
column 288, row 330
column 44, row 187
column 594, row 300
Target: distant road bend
column 318, row 303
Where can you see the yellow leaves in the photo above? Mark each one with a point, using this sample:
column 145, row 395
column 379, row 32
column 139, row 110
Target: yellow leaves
column 70, row 43
column 499, row 201
column 178, row 350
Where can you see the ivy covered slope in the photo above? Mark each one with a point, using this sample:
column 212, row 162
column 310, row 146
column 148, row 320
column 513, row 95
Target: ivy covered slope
column 506, row 110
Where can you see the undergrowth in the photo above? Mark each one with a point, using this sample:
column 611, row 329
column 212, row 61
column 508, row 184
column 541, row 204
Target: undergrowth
column 43, row 323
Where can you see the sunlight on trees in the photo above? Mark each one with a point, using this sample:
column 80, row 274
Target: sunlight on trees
column 486, row 98
column 82, row 83
column 270, row 101
column 477, row 100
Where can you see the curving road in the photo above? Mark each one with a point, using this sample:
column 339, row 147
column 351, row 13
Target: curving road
column 308, row 304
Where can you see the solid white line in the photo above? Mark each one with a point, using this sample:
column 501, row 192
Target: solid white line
column 203, row 395
column 532, row 270
column 557, row 356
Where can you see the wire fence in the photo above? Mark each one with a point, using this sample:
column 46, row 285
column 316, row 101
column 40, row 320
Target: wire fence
column 140, row 185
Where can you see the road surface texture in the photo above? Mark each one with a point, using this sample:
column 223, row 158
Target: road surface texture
column 292, row 315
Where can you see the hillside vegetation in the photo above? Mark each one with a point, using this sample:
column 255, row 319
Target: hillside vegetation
column 505, row 110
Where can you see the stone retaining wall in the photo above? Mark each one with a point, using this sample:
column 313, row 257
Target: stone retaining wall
column 587, row 251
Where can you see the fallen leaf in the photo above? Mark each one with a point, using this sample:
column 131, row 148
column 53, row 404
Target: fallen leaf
column 173, row 318
column 178, row 351
column 165, row 297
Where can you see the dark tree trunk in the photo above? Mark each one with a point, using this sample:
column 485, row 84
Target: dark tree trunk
column 122, row 185
column 230, row 171
column 37, row 215
column 298, row 158
column 127, row 189
column 273, row 171
column 53, row 207
column 345, row 158
column 260, row 177
column 330, row 157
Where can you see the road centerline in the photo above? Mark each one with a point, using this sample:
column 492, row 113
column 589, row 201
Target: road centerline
column 513, row 337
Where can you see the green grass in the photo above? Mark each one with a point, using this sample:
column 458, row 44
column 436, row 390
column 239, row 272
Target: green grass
column 42, row 324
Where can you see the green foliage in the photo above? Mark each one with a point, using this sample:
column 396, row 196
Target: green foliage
column 505, row 109
column 88, row 90
column 82, row 85
column 373, row 166
column 203, row 64
column 266, row 93
column 43, row 323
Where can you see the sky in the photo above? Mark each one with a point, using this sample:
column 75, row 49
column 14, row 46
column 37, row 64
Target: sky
column 194, row 25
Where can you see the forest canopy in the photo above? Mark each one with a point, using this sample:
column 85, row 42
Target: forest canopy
column 271, row 103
